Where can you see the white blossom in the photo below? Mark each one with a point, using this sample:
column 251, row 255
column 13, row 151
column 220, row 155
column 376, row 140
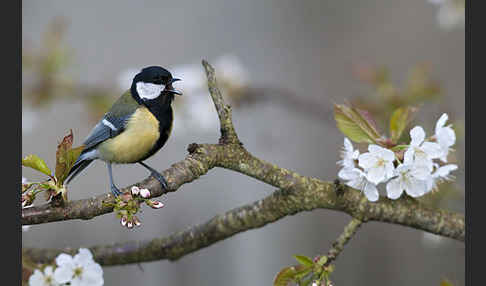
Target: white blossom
column 79, row 270
column 410, row 178
column 348, row 155
column 420, row 152
column 357, row 179
column 45, row 278
column 441, row 174
column 378, row 163
column 445, row 136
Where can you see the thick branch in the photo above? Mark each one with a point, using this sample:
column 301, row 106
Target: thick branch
column 296, row 193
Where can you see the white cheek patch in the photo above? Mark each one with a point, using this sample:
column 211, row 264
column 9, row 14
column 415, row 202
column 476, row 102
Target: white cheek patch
column 149, row 90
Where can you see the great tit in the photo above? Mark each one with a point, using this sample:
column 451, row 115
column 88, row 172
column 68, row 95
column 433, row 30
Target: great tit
column 135, row 128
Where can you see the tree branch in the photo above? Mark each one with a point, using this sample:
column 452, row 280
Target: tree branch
column 296, row 193
column 346, row 235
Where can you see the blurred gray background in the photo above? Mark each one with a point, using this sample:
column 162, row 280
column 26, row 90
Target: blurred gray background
column 307, row 47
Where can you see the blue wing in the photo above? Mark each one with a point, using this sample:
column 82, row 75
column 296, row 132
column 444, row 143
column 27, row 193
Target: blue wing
column 107, row 128
column 112, row 124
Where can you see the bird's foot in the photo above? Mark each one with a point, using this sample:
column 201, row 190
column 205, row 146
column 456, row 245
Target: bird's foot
column 115, row 191
column 160, row 178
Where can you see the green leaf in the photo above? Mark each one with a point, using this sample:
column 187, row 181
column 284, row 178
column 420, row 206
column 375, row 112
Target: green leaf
column 445, row 283
column 34, row 162
column 285, row 276
column 65, row 157
column 356, row 124
column 322, row 260
column 399, row 120
column 304, row 260
column 288, row 274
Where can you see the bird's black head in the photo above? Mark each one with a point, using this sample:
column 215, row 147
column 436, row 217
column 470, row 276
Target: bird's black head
column 151, row 83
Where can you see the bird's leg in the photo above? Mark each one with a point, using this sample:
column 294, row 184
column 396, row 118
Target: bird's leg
column 156, row 175
column 114, row 190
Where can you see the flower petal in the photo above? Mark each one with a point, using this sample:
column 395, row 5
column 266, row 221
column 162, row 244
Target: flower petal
column 93, row 275
column 441, row 122
column 446, row 137
column 367, row 160
column 433, row 150
column 348, row 147
column 371, row 192
column 389, row 170
column 444, row 171
column 418, row 136
column 375, row 149
column 36, row 279
column 415, row 188
column 348, row 174
column 63, row 274
column 64, row 259
column 376, row 175
column 83, row 257
column 48, row 270
column 394, row 189
column 420, row 172
column 357, row 183
column 408, row 156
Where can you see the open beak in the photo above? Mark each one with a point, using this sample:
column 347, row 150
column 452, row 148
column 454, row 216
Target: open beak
column 171, row 89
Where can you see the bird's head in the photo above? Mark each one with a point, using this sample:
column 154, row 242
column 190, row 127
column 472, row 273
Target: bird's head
column 152, row 82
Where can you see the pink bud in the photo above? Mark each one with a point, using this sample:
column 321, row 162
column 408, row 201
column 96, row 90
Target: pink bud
column 145, row 193
column 129, row 224
column 135, row 190
column 156, row 204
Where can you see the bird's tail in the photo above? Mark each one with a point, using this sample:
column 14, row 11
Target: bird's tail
column 81, row 163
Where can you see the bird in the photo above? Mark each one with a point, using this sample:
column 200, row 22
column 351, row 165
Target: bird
column 137, row 125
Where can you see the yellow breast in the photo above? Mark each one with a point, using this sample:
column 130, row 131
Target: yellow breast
column 138, row 138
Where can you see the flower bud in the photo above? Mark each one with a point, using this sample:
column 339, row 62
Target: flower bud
column 135, row 190
column 136, row 221
column 145, row 193
column 155, row 204
column 123, row 221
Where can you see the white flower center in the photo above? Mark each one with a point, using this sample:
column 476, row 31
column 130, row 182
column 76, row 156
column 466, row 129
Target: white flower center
column 380, row 163
column 48, row 280
column 78, row 271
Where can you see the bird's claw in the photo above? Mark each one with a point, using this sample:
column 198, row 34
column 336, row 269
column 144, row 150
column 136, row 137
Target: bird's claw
column 161, row 179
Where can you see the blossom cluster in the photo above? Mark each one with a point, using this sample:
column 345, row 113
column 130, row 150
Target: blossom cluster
column 415, row 171
column 79, row 270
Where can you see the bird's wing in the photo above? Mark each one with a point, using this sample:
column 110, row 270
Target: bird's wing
column 113, row 122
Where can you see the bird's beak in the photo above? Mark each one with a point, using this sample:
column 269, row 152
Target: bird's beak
column 171, row 89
